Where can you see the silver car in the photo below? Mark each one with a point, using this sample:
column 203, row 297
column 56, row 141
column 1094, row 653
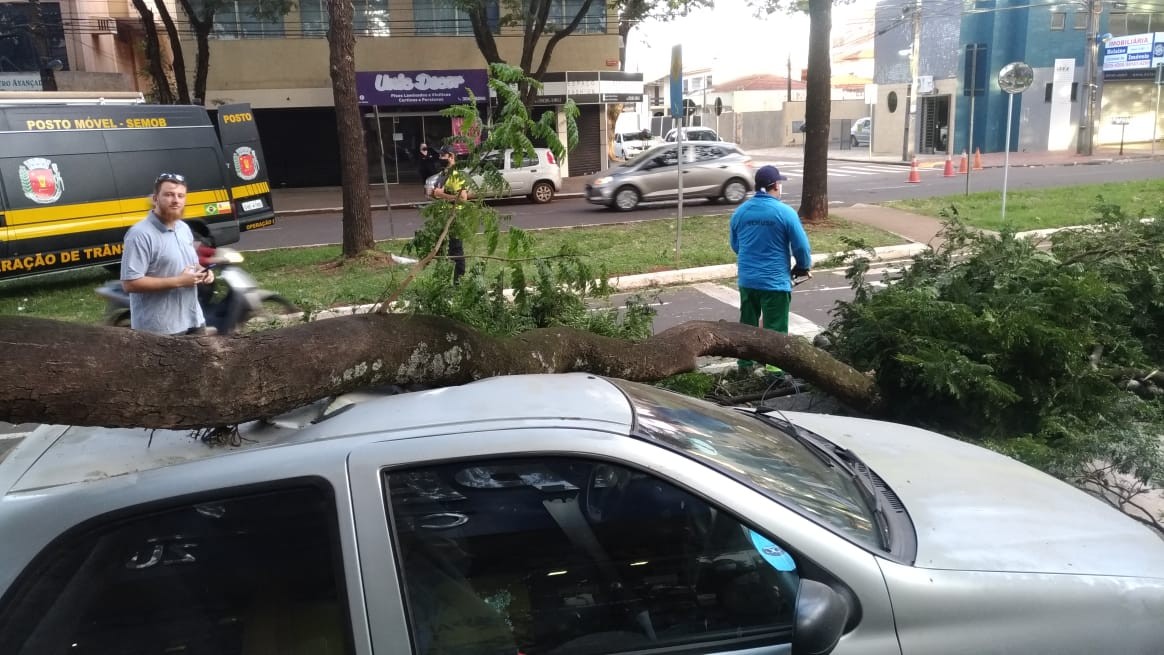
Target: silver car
column 536, row 177
column 558, row 514
column 713, row 169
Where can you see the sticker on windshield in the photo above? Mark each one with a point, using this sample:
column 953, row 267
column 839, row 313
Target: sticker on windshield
column 773, row 554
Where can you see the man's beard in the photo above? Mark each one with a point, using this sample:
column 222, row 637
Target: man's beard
column 167, row 213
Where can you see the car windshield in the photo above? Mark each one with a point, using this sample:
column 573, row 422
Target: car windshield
column 758, row 454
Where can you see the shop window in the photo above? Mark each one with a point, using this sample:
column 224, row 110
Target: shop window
column 1058, row 20
column 369, row 18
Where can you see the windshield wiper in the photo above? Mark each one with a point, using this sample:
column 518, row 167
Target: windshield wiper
column 839, row 457
column 863, row 475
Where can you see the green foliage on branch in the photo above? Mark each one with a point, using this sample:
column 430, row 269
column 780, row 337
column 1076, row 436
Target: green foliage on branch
column 547, row 291
column 1044, row 350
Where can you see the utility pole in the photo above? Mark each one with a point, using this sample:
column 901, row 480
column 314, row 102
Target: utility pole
column 1087, row 113
column 911, row 89
column 788, row 78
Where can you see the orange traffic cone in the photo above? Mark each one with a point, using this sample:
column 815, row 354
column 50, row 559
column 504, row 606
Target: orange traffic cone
column 914, row 173
column 977, row 159
column 949, row 172
column 962, row 164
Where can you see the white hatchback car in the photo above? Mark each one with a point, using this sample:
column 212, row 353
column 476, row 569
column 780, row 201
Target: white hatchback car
column 538, row 177
column 565, row 514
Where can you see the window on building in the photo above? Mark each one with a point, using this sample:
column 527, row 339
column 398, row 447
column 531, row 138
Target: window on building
column 18, row 48
column 1139, row 23
column 564, row 11
column 580, row 556
column 243, row 19
column 253, row 573
column 1117, row 23
column 1058, row 20
column 445, row 18
column 1080, row 20
column 370, row 18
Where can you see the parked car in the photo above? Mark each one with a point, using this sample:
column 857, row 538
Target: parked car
column 693, row 134
column 537, row 178
column 861, row 132
column 629, row 144
column 712, row 170
column 559, row 514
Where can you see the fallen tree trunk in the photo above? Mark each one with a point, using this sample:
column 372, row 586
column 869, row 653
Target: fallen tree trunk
column 75, row 374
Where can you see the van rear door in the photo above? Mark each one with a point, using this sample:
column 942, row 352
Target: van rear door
column 250, row 189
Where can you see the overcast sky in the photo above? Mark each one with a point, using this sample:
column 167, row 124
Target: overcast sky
column 732, row 42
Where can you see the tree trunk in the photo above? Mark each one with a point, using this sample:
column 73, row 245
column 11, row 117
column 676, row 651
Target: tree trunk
column 177, row 58
column 357, row 211
column 202, row 25
column 66, row 373
column 163, row 93
column 814, row 193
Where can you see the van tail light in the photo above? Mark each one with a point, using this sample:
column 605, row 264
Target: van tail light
column 549, row 156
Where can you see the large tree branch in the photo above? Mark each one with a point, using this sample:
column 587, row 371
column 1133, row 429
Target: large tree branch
column 93, row 375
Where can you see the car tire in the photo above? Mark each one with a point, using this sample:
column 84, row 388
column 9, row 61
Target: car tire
column 542, row 193
column 734, row 191
column 626, row 199
column 853, row 141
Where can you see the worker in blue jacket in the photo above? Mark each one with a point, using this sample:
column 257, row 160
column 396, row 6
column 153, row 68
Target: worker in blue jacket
column 766, row 235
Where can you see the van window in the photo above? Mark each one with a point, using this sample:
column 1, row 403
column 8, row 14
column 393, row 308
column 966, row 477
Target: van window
column 49, row 180
column 136, row 171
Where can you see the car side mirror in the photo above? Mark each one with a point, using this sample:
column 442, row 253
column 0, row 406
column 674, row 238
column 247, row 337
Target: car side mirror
column 821, row 615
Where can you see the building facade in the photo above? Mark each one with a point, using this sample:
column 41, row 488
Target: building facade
column 281, row 69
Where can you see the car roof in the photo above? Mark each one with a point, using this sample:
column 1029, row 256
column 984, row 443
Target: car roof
column 55, row 455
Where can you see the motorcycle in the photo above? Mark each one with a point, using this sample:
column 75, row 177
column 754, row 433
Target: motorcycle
column 233, row 299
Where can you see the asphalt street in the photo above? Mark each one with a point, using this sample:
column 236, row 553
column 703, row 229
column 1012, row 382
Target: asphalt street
column 813, row 301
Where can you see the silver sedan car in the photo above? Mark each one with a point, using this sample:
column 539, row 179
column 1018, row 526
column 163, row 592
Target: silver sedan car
column 710, row 169
column 558, row 514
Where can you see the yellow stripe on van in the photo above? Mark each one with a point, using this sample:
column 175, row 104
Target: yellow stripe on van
column 83, row 210
column 247, row 190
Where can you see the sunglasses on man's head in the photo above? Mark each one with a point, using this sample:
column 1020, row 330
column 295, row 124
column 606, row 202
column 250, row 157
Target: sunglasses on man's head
column 170, row 177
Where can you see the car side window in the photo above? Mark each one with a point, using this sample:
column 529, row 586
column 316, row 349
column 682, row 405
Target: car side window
column 228, row 575
column 495, row 160
column 565, row 555
column 707, row 153
column 526, row 162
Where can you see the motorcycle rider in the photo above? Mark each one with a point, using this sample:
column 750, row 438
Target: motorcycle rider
column 159, row 265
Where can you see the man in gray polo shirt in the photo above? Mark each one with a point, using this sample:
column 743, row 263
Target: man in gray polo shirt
column 159, row 266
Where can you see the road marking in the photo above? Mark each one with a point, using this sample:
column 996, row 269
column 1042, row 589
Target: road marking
column 797, row 324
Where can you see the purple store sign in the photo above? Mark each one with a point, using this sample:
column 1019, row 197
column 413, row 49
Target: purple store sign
column 404, row 88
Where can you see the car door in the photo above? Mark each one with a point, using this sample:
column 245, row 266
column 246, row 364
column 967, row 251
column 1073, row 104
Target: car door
column 658, row 177
column 702, row 175
column 516, row 174
column 498, row 542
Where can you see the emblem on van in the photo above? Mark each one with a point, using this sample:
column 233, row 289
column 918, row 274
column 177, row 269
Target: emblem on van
column 246, row 163
column 40, row 179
